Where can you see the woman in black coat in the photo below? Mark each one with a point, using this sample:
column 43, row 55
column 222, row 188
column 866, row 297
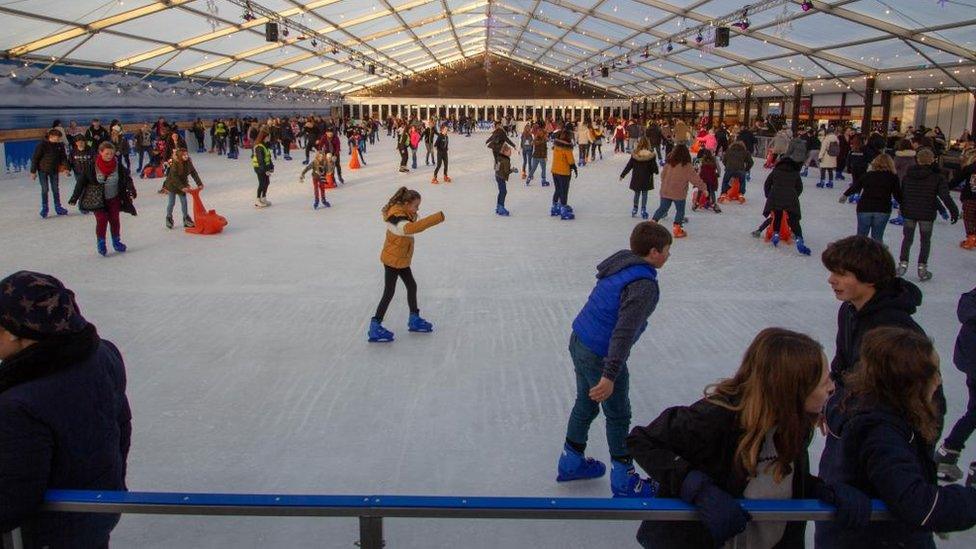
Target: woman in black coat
column 887, row 444
column 642, row 166
column 922, row 188
column 64, row 417
column 747, row 438
column 876, row 188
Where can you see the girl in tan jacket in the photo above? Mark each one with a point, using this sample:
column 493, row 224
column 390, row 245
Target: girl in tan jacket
column 400, row 215
column 678, row 173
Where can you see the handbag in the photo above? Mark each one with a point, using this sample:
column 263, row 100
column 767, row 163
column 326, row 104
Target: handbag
column 92, row 197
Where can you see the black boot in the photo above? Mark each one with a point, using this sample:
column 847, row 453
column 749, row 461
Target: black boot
column 187, row 222
column 169, row 222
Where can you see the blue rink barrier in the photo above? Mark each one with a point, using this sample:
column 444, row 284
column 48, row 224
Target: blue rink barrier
column 372, row 509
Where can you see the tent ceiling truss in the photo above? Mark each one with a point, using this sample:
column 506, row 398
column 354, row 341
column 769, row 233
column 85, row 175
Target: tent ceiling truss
column 347, row 39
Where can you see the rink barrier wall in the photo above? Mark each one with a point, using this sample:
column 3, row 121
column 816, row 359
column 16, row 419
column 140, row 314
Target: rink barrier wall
column 372, row 509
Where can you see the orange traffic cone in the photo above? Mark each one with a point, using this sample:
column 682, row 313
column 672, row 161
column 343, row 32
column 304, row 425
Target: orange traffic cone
column 330, row 181
column 785, row 235
column 354, row 160
column 205, row 222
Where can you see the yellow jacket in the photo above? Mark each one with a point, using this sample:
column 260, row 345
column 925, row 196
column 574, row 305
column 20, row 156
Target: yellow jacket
column 562, row 160
column 400, row 228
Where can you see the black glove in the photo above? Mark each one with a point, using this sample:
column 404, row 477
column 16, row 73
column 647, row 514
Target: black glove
column 575, row 172
column 853, row 506
column 720, row 512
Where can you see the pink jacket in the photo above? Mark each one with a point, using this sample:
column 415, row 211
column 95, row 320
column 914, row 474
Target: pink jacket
column 710, row 142
column 675, row 180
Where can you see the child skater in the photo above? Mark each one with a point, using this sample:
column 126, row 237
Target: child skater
column 263, row 167
column 783, row 188
column 503, row 169
column 964, row 357
column 611, row 322
column 642, row 166
column 563, row 165
column 177, row 181
column 678, row 172
column 321, row 167
column 400, row 215
column 709, row 172
column 441, row 146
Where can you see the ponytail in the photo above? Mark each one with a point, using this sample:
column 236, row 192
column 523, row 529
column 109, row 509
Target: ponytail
column 402, row 196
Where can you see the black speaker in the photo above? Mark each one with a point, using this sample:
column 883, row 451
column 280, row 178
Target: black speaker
column 372, row 69
column 722, row 37
column 605, row 72
column 271, row 32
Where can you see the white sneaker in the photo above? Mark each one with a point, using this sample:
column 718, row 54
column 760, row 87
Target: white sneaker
column 259, row 204
column 266, row 201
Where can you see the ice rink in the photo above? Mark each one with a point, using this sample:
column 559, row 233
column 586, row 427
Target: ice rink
column 249, row 370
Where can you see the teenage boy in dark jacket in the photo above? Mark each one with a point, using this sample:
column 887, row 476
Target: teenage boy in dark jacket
column 613, row 319
column 64, row 417
column 48, row 160
column 862, row 277
column 964, row 357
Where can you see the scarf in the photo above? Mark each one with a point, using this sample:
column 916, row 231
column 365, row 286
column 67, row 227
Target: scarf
column 106, row 168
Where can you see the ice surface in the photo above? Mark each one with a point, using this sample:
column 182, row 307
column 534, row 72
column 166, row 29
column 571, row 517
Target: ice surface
column 249, row 370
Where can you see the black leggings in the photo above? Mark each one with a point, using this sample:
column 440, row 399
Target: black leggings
column 441, row 159
column 777, row 222
column 263, row 181
column 404, row 156
column 561, row 193
column 309, row 147
column 389, row 288
column 908, row 238
column 642, row 196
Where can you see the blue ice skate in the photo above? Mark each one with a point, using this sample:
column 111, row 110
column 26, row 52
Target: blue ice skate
column 418, row 324
column 58, row 209
column 775, row 240
column 326, row 203
column 801, row 247
column 898, row 220
column 500, row 210
column 315, row 205
column 626, row 483
column 118, row 245
column 566, row 213
column 100, row 246
column 44, row 210
column 633, row 213
column 821, row 184
column 644, row 215
column 830, row 184
column 839, row 176
column 555, row 210
column 545, row 183
column 377, row 333
column 805, row 172
column 574, row 466
column 853, row 198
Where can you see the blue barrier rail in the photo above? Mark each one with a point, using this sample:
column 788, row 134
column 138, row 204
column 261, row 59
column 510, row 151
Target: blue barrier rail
column 371, row 509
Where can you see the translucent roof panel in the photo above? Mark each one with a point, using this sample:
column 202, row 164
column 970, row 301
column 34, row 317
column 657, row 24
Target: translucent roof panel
column 782, row 43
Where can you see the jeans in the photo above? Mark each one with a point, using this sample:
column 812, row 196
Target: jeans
column 584, row 151
column 172, row 202
column 874, row 223
column 631, row 144
column 908, row 238
column 502, row 190
column 526, row 159
column 679, row 210
column 561, row 194
column 589, row 370
column 413, row 154
column 389, row 288
column 49, row 183
column 142, row 154
column 965, row 426
column 727, row 181
column 594, row 149
column 618, row 145
column 533, row 163
column 642, row 195
column 429, row 157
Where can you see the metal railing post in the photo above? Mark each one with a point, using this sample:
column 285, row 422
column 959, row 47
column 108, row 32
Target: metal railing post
column 13, row 540
column 371, row 532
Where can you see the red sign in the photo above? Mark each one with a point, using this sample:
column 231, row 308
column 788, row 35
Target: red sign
column 832, row 111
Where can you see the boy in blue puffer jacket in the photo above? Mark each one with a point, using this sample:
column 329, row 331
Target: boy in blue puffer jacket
column 613, row 319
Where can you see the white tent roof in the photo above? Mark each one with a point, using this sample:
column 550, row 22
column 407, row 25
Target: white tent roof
column 331, row 43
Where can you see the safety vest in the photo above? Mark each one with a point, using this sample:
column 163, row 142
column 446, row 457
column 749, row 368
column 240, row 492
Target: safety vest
column 262, row 149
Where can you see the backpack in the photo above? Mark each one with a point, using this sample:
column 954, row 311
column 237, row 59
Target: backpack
column 833, row 149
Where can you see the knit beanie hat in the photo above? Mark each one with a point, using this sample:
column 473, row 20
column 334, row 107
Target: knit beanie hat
column 37, row 306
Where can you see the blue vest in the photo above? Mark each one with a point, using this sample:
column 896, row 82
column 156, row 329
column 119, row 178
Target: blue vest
column 595, row 323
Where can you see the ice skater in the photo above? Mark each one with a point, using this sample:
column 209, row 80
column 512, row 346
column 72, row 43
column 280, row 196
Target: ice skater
column 678, row 172
column 47, row 162
column 263, row 167
column 108, row 190
column 503, row 169
column 563, row 165
column 181, row 169
column 642, row 166
column 604, row 332
column 322, row 168
column 783, row 188
column 400, row 215
column 441, row 146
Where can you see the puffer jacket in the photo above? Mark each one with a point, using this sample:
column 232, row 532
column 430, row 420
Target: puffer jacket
column 783, row 188
column 48, row 158
column 877, row 188
column 178, row 176
column 642, row 166
column 400, row 228
column 921, row 190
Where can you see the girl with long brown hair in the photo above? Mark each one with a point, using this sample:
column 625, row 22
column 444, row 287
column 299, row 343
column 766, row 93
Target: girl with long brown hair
column 402, row 223
column 747, row 438
column 887, row 437
column 263, row 167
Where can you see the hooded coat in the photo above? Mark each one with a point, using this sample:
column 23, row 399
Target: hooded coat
column 400, row 228
column 877, row 188
column 642, row 166
column 882, row 455
column 783, row 188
